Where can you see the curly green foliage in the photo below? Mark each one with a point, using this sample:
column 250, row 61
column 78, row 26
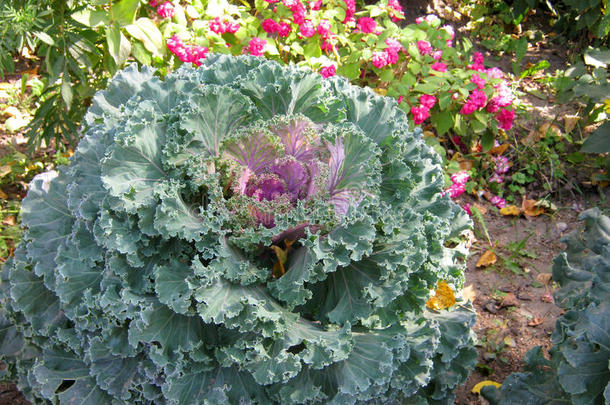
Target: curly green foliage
column 238, row 233
column 578, row 370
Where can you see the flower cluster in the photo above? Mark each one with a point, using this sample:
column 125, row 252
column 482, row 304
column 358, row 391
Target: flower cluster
column 256, row 47
column 458, row 184
column 501, row 166
column 421, row 113
column 389, row 55
column 186, row 53
column 165, row 10
column 221, row 26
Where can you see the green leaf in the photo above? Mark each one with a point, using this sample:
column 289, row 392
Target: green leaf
column 91, row 18
column 596, row 57
column 598, row 141
column 124, row 12
column 442, row 121
column 140, row 53
column 351, row 71
column 118, row 46
column 147, row 32
column 487, row 141
column 44, row 37
column 386, row 75
column 66, row 89
column 312, row 49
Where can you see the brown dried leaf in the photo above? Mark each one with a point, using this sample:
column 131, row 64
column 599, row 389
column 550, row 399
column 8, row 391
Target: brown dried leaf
column 535, row 322
column 443, row 297
column 487, row 259
column 3, row 195
column 477, row 388
column 10, row 220
column 569, row 122
column 510, row 210
column 466, row 164
column 498, row 150
column 547, row 128
column 482, row 209
column 469, row 293
column 544, row 278
column 509, row 300
column 530, row 209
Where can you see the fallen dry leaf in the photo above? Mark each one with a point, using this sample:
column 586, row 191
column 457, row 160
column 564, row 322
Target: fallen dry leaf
column 510, row 210
column 529, row 208
column 569, row 122
column 487, row 259
column 381, row 91
column 477, row 388
column 10, row 220
column 3, row 195
column 443, row 297
column 535, row 322
column 469, row 293
column 482, row 209
column 544, row 278
column 466, row 164
column 500, row 149
column 11, row 112
column 547, row 298
column 547, row 128
column 509, row 341
column 509, row 300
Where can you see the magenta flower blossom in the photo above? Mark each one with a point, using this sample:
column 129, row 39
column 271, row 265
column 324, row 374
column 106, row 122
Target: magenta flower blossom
column 505, row 95
column 437, row 55
column 427, row 100
column 499, row 202
column 449, row 30
column 270, row 26
column 290, row 3
column 505, row 119
column 439, row 67
column 380, row 59
column 424, row 47
column 367, row 25
column 221, row 26
column 466, row 207
column 189, row 54
column 298, row 13
column 315, row 5
column 395, row 10
column 256, row 46
column 478, row 62
column 496, row 178
column 455, row 190
column 393, row 44
column 327, row 46
column 284, row 29
column 493, row 105
column 420, row 114
column 392, row 56
column 307, row 29
column 328, row 71
column 501, row 164
column 166, row 10
column 478, row 98
column 153, row 3
column 460, row 177
column 324, row 29
column 478, row 81
column 468, row 108
column 399, row 100
column 494, row 73
column 350, row 10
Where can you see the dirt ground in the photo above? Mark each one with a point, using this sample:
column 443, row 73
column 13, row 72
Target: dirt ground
column 512, row 298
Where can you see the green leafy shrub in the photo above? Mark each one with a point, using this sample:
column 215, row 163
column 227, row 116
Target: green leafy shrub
column 238, row 233
column 579, row 367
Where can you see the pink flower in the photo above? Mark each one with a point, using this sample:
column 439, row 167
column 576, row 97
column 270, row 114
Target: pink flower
column 256, row 46
column 327, row 71
column 221, row 26
column 392, row 56
column 350, row 9
column 380, row 59
column 505, row 95
column 152, row 3
column 478, row 98
column 437, row 55
column 196, row 53
column 298, row 13
column 272, row 1
column 501, row 164
column 419, row 114
column 455, row 190
column 290, row 3
column 460, row 177
column 468, row 108
column 315, row 5
column 478, row 58
column 494, row 73
column 498, row 201
column 419, row 20
column 493, row 105
column 367, row 25
column 231, row 27
column 496, row 178
column 307, row 29
column 395, row 10
column 324, row 29
column 327, row 46
column 505, row 119
column 399, row 100
column 270, row 26
column 284, row 29
column 478, row 81
column 393, row 44
column 427, row 100
column 439, row 67
column 466, row 207
column 166, row 10
column 424, row 47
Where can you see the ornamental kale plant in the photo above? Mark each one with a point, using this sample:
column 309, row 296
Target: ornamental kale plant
column 238, row 233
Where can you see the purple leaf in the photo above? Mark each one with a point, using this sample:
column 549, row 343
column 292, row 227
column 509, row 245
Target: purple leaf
column 256, row 153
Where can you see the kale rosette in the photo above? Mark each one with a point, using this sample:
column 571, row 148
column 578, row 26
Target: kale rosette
column 242, row 232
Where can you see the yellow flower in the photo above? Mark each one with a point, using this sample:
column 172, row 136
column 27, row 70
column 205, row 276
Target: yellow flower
column 607, row 103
